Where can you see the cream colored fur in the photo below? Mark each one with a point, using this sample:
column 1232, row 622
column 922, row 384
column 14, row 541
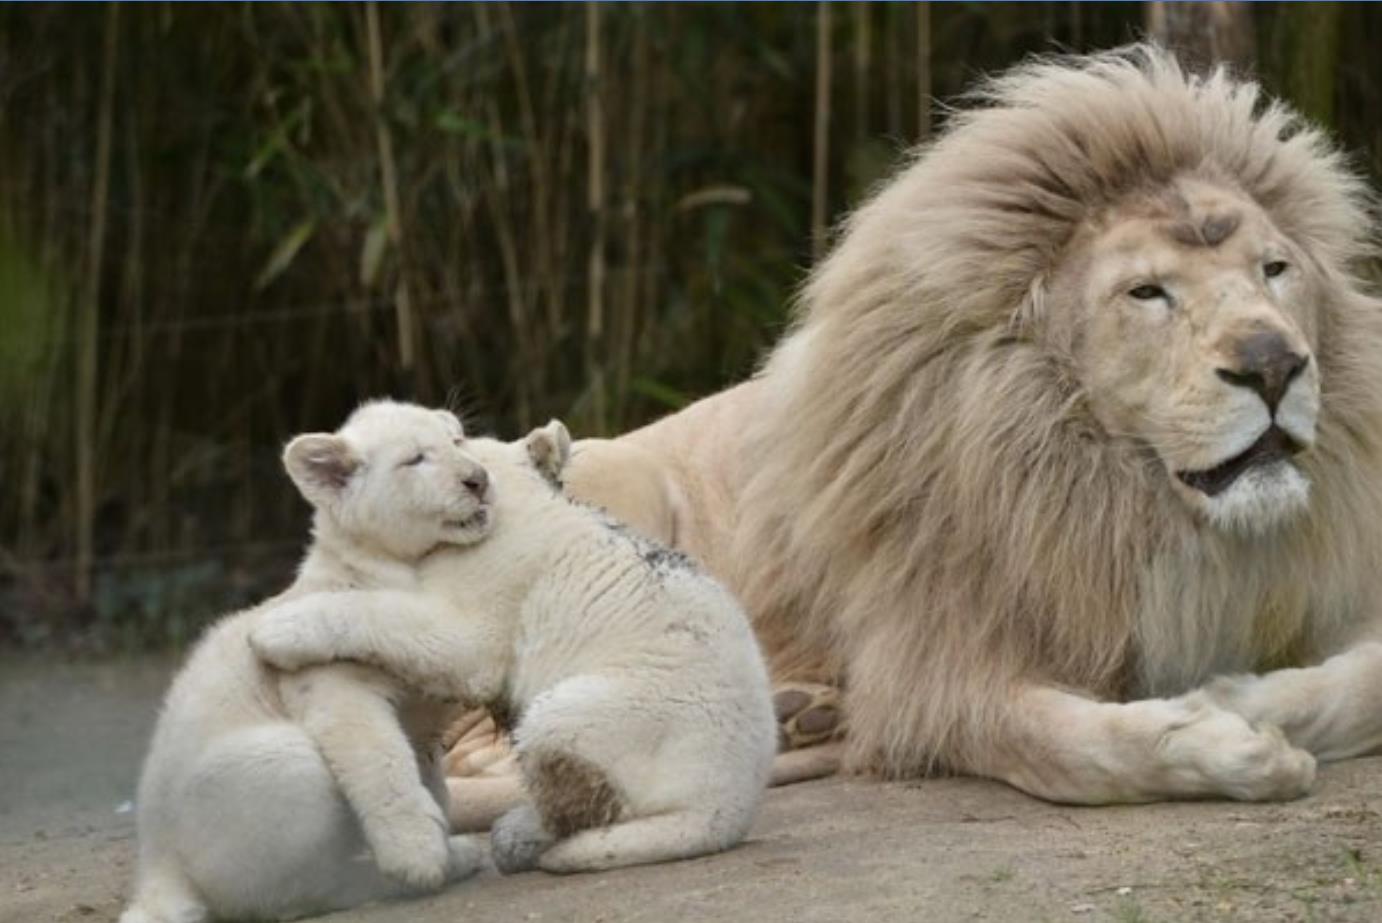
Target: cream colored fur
column 267, row 795
column 645, row 730
column 958, row 482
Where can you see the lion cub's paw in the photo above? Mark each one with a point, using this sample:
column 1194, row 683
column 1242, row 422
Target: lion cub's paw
column 289, row 639
column 414, row 850
column 518, row 839
column 467, row 857
column 807, row 714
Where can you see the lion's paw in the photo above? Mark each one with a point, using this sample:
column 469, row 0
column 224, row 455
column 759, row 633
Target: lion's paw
column 807, row 714
column 518, row 839
column 1240, row 760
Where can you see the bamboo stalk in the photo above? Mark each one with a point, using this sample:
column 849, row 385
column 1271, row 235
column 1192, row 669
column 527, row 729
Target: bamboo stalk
column 90, row 317
column 923, row 71
column 547, row 275
column 633, row 238
column 863, row 14
column 595, row 179
column 893, row 78
column 403, row 302
column 821, row 143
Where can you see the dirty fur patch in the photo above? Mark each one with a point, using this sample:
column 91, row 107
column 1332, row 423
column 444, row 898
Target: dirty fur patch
column 571, row 793
column 657, row 556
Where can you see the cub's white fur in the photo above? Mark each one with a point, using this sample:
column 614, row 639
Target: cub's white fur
column 645, row 728
column 264, row 794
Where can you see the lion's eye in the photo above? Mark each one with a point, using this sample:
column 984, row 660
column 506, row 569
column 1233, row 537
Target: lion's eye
column 1274, row 268
column 415, row 460
column 1147, row 292
column 458, row 441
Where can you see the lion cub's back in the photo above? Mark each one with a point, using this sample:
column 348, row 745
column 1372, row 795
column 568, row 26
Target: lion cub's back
column 220, row 687
column 613, row 597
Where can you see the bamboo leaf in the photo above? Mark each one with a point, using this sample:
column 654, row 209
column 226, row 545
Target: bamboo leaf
column 664, row 394
column 453, row 123
column 372, row 253
column 282, row 256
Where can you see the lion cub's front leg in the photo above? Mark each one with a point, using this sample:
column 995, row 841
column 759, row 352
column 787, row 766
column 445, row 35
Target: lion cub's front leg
column 349, row 711
column 432, row 647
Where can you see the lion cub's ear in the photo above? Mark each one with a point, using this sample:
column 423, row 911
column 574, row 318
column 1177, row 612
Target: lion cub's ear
column 453, row 422
column 550, row 449
column 320, row 464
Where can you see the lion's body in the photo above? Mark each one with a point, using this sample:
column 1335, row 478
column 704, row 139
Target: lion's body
column 917, row 491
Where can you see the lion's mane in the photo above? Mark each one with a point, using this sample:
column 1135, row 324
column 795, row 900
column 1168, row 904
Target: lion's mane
column 934, row 508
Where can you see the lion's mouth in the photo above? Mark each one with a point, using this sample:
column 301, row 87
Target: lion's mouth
column 1274, row 445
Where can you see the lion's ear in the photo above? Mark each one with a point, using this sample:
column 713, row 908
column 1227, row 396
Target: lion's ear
column 321, row 465
column 549, row 447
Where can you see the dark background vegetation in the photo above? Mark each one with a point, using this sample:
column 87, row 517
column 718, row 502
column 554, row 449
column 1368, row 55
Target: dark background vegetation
column 223, row 225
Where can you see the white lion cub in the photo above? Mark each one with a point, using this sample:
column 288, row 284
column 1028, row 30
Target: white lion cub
column 645, row 728
column 262, row 790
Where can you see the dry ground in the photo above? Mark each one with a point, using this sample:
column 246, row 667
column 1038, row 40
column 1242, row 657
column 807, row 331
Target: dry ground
column 836, row 850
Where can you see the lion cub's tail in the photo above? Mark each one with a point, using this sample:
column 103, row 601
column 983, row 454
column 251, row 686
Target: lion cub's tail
column 164, row 897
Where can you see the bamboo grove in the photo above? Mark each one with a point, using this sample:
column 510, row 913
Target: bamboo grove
column 222, row 225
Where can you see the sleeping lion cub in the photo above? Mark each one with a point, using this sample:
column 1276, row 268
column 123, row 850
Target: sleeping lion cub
column 645, row 730
column 262, row 790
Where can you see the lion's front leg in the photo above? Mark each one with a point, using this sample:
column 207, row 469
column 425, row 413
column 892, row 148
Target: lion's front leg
column 1067, row 748
column 1334, row 710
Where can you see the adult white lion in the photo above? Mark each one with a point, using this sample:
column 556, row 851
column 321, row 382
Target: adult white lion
column 1083, row 411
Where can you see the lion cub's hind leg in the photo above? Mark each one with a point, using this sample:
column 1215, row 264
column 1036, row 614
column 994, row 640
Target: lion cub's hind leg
column 263, row 833
column 575, row 827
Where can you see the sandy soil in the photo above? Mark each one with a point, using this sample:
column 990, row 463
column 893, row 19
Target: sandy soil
column 835, row 850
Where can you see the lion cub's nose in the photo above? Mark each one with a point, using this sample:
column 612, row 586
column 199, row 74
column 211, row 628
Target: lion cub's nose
column 1266, row 364
column 476, row 482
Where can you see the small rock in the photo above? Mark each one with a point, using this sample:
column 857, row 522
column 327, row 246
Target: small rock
column 1082, row 908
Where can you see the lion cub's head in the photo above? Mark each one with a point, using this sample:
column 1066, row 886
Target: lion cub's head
column 1191, row 319
column 536, row 460
column 396, row 477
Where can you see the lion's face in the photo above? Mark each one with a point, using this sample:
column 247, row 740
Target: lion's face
column 1193, row 331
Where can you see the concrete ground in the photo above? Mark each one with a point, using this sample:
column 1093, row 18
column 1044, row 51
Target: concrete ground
column 71, row 737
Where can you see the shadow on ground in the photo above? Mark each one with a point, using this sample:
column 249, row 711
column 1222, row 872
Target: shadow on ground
column 839, row 850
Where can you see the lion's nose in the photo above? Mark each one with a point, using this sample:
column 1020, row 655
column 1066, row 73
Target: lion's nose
column 1267, row 364
column 476, row 482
